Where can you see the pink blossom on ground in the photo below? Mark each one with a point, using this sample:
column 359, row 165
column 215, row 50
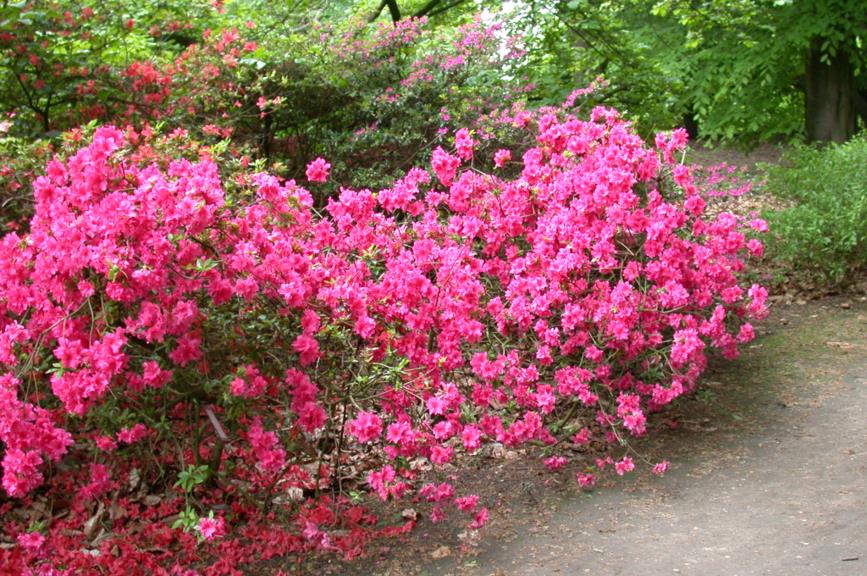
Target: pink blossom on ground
column 624, row 465
column 100, row 482
column 32, row 541
column 585, row 480
column 467, row 503
column 212, row 528
column 555, row 462
column 479, row 520
column 582, row 437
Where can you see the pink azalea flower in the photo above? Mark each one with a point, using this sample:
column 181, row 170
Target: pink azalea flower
column 480, row 519
column 317, row 170
column 32, row 541
column 555, row 462
column 131, row 435
column 365, row 427
column 585, row 480
column 445, row 166
column 212, row 528
column 624, row 465
column 502, row 157
column 467, row 503
column 464, row 144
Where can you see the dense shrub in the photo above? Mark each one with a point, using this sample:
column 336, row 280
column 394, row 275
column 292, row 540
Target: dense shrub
column 384, row 99
column 160, row 325
column 60, row 61
column 824, row 234
column 373, row 98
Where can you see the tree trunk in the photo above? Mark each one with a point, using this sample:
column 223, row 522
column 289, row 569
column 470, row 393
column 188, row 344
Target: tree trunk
column 861, row 106
column 830, row 92
column 691, row 124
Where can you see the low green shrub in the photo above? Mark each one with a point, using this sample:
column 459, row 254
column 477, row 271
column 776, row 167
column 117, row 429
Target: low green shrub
column 823, row 235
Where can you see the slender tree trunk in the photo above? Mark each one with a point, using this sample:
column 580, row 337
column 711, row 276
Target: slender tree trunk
column 393, row 10
column 830, row 92
column 861, row 106
column 266, row 137
column 691, row 124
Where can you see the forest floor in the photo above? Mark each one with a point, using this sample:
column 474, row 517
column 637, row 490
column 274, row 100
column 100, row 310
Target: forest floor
column 768, row 476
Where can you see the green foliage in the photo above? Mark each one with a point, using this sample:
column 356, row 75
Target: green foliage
column 745, row 59
column 59, row 60
column 191, row 477
column 372, row 102
column 824, row 235
column 571, row 44
column 187, row 520
column 736, row 67
column 20, row 161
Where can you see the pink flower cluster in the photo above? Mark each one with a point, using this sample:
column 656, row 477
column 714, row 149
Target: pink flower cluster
column 212, row 528
column 425, row 320
column 317, row 170
column 30, row 435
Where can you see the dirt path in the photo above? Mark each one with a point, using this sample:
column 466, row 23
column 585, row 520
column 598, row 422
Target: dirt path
column 769, row 477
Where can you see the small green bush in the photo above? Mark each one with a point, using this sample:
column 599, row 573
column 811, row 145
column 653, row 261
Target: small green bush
column 824, row 234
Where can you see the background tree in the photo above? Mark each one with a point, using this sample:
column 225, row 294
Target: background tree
column 59, row 60
column 743, row 70
column 759, row 69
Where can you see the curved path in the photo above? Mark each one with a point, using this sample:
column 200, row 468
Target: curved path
column 769, row 476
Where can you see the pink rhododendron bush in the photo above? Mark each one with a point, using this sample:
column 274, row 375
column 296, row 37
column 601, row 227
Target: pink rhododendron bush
column 282, row 103
column 195, row 372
